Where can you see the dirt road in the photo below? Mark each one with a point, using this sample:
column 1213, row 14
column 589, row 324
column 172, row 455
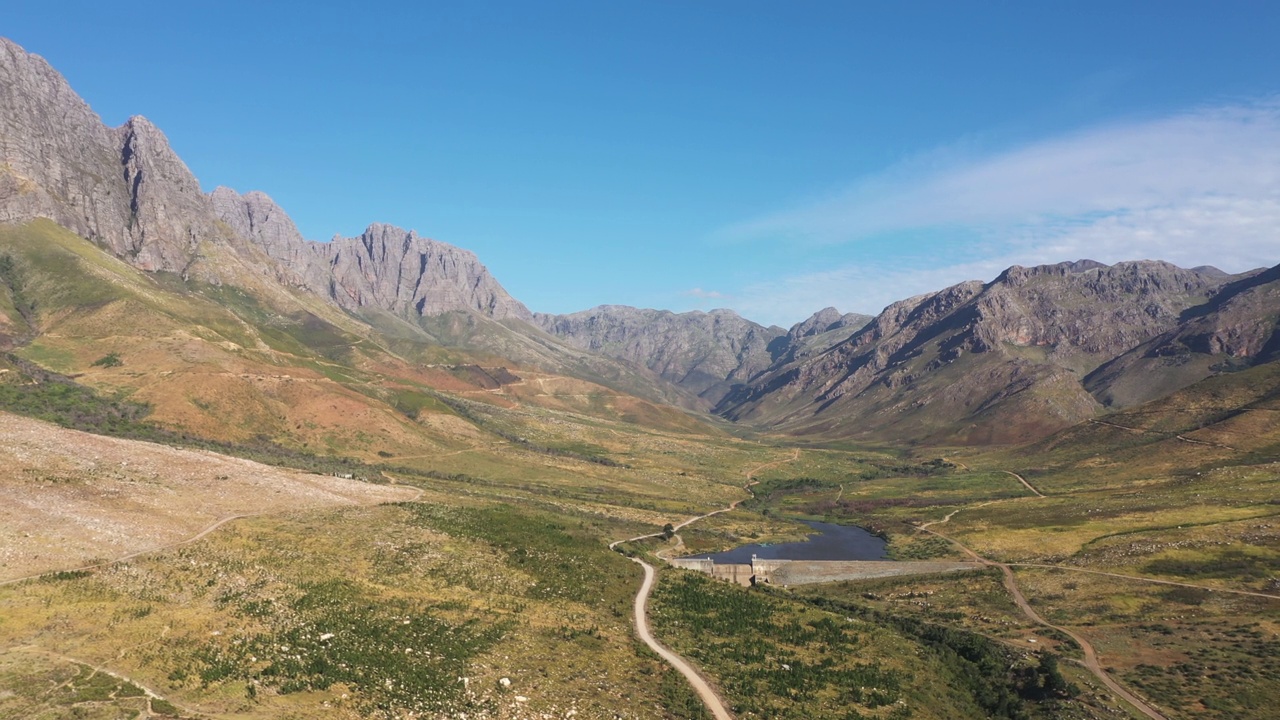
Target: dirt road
column 1024, row 482
column 709, row 696
column 699, row 683
column 1090, row 656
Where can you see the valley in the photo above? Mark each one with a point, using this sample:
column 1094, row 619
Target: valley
column 249, row 475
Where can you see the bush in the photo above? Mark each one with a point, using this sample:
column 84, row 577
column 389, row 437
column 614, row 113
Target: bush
column 109, row 360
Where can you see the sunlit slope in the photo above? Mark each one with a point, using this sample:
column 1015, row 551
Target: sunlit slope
column 229, row 364
column 1228, row 419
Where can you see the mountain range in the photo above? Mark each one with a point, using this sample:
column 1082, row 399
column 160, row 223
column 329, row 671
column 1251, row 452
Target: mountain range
column 115, row 251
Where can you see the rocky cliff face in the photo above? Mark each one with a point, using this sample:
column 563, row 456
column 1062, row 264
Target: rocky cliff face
column 1004, row 360
column 407, row 274
column 50, row 141
column 703, row 352
column 1234, row 330
column 385, row 267
column 124, row 188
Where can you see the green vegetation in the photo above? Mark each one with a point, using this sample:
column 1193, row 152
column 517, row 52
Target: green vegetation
column 38, row 685
column 270, row 615
column 399, row 655
column 781, row 656
column 54, row 398
column 110, row 360
column 14, row 283
column 998, row 680
column 1247, row 564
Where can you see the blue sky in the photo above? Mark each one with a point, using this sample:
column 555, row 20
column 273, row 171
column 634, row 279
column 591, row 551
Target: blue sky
column 770, row 157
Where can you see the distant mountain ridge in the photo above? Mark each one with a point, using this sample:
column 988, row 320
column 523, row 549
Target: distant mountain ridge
column 1003, row 361
column 1013, row 359
column 707, row 353
column 703, row 352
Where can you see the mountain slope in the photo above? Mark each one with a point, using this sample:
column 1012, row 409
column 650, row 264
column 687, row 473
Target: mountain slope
column 1233, row 331
column 704, row 353
column 125, row 190
column 976, row 363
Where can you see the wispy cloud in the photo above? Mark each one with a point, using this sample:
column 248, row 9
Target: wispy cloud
column 1201, row 187
column 703, row 294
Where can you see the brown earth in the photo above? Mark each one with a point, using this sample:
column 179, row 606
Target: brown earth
column 70, row 499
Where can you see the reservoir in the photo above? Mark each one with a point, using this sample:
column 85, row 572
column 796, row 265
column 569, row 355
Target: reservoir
column 828, row 542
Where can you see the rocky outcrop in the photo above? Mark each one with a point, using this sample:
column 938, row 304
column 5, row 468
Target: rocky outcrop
column 386, row 267
column 706, row 353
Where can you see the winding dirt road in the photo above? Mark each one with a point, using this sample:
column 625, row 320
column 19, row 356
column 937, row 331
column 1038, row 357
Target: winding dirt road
column 699, row 683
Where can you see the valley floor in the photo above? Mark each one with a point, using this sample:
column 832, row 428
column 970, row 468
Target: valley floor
column 1114, row 590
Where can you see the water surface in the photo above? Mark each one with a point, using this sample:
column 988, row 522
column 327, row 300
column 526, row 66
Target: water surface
column 828, row 542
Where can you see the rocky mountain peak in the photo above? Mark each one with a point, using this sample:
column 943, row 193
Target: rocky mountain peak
column 123, row 188
column 400, row 271
column 257, row 218
column 1017, row 274
column 817, row 323
column 169, row 213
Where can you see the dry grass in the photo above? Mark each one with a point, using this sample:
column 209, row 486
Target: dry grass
column 69, row 498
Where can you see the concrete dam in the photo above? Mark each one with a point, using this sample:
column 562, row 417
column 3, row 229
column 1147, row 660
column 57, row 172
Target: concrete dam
column 806, row 572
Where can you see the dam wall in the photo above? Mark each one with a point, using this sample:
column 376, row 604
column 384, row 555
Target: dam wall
column 807, row 572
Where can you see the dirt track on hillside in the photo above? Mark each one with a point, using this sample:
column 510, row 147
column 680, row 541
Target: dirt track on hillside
column 1090, row 662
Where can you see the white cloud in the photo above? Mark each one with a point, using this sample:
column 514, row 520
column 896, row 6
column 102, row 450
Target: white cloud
column 1231, row 152
column 703, row 294
column 1202, row 187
